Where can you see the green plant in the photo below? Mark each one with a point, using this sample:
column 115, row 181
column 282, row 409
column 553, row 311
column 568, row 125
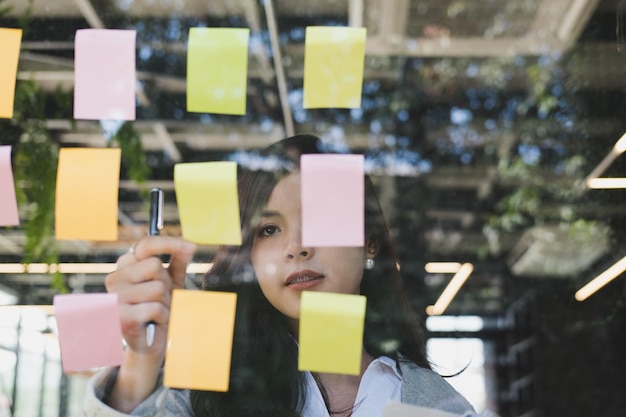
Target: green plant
column 35, row 160
column 35, row 164
column 133, row 155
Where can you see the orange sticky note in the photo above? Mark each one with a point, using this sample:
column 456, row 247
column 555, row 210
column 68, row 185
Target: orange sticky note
column 333, row 188
column 208, row 206
column 10, row 40
column 217, row 70
column 87, row 193
column 90, row 332
column 104, row 85
column 331, row 332
column 200, row 340
column 8, row 203
column 334, row 59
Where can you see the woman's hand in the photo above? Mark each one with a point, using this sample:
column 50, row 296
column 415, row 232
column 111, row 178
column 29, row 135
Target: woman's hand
column 144, row 288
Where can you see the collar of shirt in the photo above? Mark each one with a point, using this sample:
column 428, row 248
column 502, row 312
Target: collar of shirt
column 381, row 382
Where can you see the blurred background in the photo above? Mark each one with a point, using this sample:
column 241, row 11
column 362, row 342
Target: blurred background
column 485, row 126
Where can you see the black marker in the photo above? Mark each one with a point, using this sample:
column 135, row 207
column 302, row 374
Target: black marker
column 154, row 228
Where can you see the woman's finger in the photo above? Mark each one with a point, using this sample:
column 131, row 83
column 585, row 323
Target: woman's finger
column 134, row 318
column 140, row 271
column 126, row 259
column 162, row 245
column 178, row 263
column 146, row 292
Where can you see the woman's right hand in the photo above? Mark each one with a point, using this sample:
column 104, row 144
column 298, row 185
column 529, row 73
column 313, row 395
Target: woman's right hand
column 144, row 288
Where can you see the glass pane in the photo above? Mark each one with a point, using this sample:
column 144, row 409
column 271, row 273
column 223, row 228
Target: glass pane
column 493, row 133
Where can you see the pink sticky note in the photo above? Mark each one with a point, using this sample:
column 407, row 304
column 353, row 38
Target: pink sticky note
column 104, row 72
column 8, row 203
column 332, row 200
column 90, row 332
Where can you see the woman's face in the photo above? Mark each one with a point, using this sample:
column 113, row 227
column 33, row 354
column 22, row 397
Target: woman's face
column 285, row 268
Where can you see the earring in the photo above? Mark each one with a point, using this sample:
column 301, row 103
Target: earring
column 369, row 263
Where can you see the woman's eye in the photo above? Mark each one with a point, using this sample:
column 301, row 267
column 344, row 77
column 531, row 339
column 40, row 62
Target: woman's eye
column 268, row 230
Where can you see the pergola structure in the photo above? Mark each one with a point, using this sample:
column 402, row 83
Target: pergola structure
column 450, row 91
column 480, row 123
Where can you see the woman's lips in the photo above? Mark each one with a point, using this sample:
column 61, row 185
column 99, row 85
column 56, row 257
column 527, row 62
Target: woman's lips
column 303, row 280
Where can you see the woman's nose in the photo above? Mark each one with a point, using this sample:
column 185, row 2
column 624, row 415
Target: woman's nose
column 296, row 250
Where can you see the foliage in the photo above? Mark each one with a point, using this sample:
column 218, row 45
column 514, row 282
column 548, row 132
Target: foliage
column 4, row 9
column 35, row 160
column 527, row 203
column 35, row 165
column 133, row 155
column 527, row 168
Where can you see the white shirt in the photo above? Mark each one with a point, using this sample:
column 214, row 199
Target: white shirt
column 380, row 384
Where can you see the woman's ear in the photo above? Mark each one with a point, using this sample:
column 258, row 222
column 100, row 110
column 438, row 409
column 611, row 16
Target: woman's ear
column 371, row 249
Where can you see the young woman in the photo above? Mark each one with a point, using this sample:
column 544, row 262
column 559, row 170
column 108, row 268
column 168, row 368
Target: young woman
column 269, row 271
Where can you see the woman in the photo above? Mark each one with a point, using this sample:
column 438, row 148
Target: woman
column 269, row 271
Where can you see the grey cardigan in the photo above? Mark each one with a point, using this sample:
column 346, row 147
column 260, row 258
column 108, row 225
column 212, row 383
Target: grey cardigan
column 420, row 386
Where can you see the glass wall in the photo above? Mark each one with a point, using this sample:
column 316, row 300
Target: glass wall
column 492, row 132
column 32, row 380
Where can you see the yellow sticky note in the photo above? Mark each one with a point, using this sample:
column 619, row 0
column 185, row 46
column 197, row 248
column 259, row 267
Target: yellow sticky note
column 217, row 70
column 87, row 193
column 10, row 40
column 331, row 332
column 334, row 58
column 208, row 206
column 200, row 340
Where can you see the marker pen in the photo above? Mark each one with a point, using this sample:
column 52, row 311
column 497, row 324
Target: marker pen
column 154, row 228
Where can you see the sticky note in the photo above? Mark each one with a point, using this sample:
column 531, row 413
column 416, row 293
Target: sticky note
column 104, row 74
column 200, row 340
column 8, row 203
column 90, row 332
column 10, row 40
column 217, row 70
column 333, row 188
column 87, row 193
column 334, row 58
column 331, row 332
column 208, row 205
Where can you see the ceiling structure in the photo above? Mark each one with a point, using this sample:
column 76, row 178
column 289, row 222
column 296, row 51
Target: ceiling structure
column 453, row 97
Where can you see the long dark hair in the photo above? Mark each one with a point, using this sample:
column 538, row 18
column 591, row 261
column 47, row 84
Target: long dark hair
column 264, row 379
